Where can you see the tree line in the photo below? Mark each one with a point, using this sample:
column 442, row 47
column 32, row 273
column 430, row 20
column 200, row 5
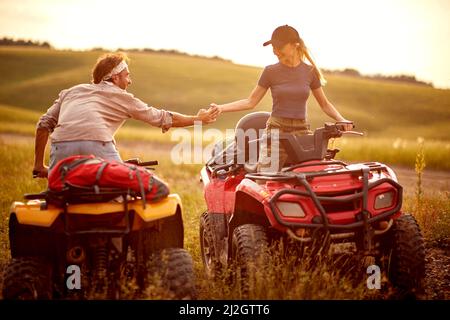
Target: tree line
column 165, row 51
column 5, row 41
column 397, row 78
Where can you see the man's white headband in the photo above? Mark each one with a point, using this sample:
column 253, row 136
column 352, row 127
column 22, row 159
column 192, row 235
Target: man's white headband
column 117, row 69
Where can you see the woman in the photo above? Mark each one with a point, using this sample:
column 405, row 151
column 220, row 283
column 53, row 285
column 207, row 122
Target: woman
column 290, row 81
column 85, row 118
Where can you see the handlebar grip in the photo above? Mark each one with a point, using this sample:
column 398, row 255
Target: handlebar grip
column 354, row 132
column 148, row 163
column 135, row 161
column 340, row 124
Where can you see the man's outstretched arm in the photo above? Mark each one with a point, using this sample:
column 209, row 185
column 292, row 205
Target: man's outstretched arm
column 204, row 116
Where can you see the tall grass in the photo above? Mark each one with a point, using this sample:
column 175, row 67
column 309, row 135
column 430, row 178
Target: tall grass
column 432, row 211
column 15, row 180
column 285, row 276
column 433, row 216
column 419, row 167
column 387, row 150
column 394, row 151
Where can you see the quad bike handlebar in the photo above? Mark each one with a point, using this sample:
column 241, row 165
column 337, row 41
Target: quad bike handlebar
column 138, row 162
column 356, row 133
column 337, row 129
column 299, row 148
column 340, row 124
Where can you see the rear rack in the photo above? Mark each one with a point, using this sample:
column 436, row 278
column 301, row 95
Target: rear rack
column 324, row 222
column 68, row 196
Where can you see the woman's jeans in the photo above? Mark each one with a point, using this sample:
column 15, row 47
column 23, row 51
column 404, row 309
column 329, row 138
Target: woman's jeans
column 61, row 150
column 272, row 155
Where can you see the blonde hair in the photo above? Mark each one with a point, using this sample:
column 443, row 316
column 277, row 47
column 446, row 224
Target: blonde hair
column 304, row 53
column 106, row 63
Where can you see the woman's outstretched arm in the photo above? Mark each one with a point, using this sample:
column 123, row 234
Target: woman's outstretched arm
column 245, row 104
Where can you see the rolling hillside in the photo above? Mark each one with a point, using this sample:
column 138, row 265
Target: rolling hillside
column 32, row 78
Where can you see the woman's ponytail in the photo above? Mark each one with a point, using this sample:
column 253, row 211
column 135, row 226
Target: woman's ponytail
column 304, row 53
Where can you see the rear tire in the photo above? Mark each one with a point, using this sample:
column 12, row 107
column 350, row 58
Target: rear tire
column 250, row 250
column 405, row 253
column 27, row 278
column 171, row 274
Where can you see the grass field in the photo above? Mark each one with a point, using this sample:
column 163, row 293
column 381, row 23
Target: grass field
column 32, row 79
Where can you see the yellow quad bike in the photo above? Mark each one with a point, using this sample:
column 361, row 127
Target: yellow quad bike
column 85, row 246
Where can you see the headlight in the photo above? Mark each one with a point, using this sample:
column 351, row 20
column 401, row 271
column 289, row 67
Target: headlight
column 384, row 200
column 290, row 209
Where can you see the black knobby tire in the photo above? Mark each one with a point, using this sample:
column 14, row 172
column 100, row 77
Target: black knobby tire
column 172, row 270
column 406, row 255
column 212, row 231
column 27, row 278
column 250, row 250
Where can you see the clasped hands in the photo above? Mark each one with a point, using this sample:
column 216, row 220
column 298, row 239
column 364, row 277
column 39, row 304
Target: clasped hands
column 209, row 115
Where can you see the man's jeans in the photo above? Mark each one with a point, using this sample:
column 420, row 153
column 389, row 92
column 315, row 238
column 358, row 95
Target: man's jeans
column 61, row 150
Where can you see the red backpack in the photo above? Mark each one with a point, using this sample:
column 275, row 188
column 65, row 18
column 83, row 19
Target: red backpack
column 83, row 171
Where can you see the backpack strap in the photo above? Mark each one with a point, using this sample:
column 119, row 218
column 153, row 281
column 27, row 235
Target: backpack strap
column 150, row 183
column 64, row 169
column 98, row 176
column 141, row 186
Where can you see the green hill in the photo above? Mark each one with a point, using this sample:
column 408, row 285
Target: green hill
column 32, row 78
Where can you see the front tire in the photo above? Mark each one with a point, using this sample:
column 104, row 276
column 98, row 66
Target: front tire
column 405, row 253
column 212, row 230
column 250, row 250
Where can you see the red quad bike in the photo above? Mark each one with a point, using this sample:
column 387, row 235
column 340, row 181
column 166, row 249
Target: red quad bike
column 313, row 202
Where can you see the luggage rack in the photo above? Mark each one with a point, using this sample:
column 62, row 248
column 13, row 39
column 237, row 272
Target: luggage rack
column 81, row 195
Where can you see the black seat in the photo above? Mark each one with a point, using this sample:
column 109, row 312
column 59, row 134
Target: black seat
column 248, row 134
column 305, row 148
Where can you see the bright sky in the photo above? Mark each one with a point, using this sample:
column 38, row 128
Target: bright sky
column 379, row 36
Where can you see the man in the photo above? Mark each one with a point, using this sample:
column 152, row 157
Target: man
column 85, row 118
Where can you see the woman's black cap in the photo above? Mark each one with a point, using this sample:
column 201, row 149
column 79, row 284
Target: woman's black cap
column 282, row 35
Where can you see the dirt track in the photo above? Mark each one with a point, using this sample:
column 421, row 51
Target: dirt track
column 432, row 180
